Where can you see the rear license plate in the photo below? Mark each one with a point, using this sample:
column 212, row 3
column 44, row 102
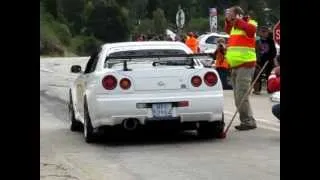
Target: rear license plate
column 162, row 110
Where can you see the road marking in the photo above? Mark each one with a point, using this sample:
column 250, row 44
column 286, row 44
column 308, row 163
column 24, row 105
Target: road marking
column 258, row 119
column 46, row 70
column 269, row 128
column 266, row 124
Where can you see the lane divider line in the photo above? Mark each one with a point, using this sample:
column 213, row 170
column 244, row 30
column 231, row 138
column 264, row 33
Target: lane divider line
column 258, row 119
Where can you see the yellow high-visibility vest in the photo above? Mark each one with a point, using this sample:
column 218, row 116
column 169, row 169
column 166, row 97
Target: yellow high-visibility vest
column 241, row 48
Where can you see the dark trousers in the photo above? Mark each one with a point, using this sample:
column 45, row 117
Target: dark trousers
column 276, row 110
column 223, row 73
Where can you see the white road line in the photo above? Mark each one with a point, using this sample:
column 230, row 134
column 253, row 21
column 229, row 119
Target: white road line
column 269, row 128
column 46, row 70
column 265, row 123
column 258, row 119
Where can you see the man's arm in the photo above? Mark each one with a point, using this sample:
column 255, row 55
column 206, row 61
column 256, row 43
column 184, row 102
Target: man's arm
column 227, row 26
column 248, row 28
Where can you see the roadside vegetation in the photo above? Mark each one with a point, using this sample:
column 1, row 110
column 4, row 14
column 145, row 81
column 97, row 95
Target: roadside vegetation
column 76, row 27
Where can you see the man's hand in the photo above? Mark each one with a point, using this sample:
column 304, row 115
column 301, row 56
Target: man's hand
column 227, row 15
column 230, row 17
column 238, row 16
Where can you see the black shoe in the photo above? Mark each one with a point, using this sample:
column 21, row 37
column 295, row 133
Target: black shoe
column 245, row 127
column 227, row 88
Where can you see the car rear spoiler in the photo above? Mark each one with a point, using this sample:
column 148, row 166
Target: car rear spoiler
column 125, row 59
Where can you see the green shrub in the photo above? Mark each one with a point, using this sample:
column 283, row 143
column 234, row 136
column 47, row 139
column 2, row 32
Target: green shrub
column 84, row 45
column 63, row 33
column 51, row 44
column 53, row 35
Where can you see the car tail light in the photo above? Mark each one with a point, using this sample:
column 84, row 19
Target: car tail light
column 196, row 81
column 125, row 83
column 183, row 104
column 210, row 78
column 109, row 82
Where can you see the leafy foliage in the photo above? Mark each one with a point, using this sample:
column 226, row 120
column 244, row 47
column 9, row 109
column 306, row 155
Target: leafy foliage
column 68, row 25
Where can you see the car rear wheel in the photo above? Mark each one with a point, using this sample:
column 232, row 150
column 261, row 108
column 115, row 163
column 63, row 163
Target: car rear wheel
column 88, row 133
column 74, row 124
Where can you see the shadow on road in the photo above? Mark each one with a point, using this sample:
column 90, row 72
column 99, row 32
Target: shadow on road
column 151, row 138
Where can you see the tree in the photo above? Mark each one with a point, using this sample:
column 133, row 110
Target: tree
column 160, row 22
column 146, row 27
column 138, row 9
column 152, row 6
column 73, row 12
column 108, row 22
column 198, row 25
column 51, row 7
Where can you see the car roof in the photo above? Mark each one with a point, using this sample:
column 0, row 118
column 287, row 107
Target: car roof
column 215, row 34
column 140, row 45
column 202, row 36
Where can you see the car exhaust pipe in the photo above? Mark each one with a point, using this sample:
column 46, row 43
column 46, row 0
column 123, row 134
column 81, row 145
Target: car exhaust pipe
column 130, row 124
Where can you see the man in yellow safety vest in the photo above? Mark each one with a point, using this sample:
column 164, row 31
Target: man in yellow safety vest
column 241, row 57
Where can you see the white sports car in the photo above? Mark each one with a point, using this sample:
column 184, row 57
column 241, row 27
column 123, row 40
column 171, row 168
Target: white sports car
column 133, row 84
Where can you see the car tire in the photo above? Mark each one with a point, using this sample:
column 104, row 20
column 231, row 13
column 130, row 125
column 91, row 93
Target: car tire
column 212, row 129
column 88, row 133
column 75, row 125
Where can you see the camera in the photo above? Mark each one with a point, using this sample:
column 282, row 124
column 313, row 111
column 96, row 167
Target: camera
column 220, row 45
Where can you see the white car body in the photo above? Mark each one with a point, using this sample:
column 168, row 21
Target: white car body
column 208, row 42
column 275, row 97
column 148, row 85
column 278, row 48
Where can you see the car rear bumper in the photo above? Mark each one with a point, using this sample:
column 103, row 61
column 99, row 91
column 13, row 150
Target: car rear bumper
column 113, row 109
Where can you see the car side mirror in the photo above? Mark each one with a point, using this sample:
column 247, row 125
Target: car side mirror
column 75, row 69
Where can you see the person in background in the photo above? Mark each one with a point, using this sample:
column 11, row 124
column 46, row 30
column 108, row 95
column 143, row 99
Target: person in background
column 184, row 38
column 192, row 42
column 168, row 38
column 178, row 38
column 241, row 57
column 266, row 51
column 140, row 38
column 221, row 63
column 273, row 85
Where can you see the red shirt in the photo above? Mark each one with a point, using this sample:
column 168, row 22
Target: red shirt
column 273, row 83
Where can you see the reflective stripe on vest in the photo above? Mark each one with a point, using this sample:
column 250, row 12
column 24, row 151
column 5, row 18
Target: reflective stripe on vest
column 243, row 41
column 241, row 48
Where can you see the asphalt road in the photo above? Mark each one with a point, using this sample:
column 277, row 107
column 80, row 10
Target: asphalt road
column 251, row 155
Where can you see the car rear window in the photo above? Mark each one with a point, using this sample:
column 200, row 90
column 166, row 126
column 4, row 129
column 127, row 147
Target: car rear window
column 149, row 52
column 213, row 40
